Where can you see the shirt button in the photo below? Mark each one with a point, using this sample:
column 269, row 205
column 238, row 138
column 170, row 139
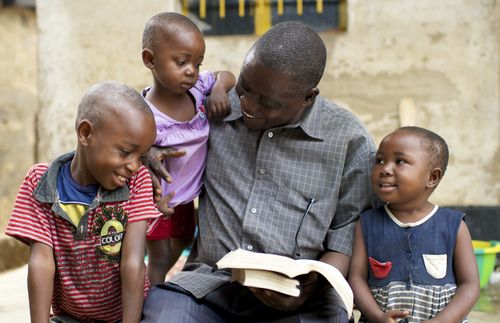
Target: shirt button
column 262, row 171
column 270, row 134
column 249, row 247
column 253, row 210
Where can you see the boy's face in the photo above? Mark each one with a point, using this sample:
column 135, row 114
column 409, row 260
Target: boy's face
column 401, row 175
column 112, row 151
column 267, row 97
column 176, row 63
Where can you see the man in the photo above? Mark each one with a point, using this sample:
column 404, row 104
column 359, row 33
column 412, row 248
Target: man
column 287, row 173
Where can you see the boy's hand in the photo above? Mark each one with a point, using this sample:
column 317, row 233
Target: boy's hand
column 153, row 161
column 284, row 302
column 218, row 105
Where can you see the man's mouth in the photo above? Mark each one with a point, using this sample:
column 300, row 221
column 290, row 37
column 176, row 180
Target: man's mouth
column 122, row 179
column 249, row 116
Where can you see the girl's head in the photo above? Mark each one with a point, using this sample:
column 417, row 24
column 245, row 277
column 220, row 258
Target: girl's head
column 409, row 164
column 173, row 48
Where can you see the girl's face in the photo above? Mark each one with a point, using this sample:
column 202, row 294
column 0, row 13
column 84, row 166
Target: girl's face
column 176, row 61
column 401, row 175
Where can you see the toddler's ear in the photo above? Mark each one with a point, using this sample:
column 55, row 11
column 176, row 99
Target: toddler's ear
column 434, row 177
column 148, row 58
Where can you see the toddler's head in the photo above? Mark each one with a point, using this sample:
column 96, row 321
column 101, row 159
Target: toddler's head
column 173, row 49
column 409, row 165
column 115, row 128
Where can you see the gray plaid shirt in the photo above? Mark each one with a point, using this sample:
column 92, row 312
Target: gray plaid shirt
column 260, row 184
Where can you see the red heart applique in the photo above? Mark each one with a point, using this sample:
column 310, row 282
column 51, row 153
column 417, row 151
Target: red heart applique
column 380, row 269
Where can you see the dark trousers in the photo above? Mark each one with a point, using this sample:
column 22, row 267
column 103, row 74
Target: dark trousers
column 230, row 303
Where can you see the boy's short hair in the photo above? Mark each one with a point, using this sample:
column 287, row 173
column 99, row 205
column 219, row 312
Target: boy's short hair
column 434, row 146
column 102, row 97
column 165, row 24
column 294, row 49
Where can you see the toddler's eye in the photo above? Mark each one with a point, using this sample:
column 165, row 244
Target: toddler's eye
column 379, row 161
column 400, row 161
column 181, row 63
column 198, row 65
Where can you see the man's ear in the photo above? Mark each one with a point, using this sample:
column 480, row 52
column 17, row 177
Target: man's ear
column 434, row 177
column 309, row 99
column 84, row 130
column 148, row 58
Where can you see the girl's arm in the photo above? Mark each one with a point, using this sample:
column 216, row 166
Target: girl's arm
column 358, row 279
column 132, row 271
column 467, row 275
column 219, row 106
column 41, row 271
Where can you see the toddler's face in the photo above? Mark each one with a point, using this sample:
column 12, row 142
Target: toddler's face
column 401, row 171
column 177, row 61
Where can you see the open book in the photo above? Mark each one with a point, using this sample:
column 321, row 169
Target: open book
column 275, row 272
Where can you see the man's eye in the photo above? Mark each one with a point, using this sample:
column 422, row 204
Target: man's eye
column 124, row 152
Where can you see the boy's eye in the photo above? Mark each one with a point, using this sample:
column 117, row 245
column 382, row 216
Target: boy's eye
column 124, row 152
column 400, row 161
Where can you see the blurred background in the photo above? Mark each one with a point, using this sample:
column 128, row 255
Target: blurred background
column 429, row 63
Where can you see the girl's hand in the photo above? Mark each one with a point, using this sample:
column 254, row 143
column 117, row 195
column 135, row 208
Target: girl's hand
column 218, row 105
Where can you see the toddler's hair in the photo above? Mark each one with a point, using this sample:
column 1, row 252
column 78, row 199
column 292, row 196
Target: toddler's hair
column 163, row 25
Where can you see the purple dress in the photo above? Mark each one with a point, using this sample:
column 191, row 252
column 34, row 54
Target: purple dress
column 191, row 136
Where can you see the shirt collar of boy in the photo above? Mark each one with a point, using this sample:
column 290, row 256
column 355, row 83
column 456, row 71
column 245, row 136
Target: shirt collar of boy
column 46, row 190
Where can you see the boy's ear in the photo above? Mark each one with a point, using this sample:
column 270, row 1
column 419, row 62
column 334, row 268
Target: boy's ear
column 148, row 58
column 84, row 131
column 434, row 177
column 309, row 99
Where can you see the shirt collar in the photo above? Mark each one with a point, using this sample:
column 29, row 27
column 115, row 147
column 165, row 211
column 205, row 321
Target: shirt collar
column 311, row 123
column 46, row 190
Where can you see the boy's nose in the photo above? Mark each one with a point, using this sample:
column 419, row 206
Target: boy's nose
column 133, row 165
column 386, row 169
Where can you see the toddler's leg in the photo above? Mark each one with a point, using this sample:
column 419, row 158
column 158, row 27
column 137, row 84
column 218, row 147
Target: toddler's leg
column 158, row 260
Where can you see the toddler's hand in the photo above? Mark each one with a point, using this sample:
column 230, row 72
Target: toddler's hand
column 163, row 205
column 218, row 105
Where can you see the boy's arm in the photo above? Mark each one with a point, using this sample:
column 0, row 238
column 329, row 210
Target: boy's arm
column 219, row 106
column 358, row 279
column 41, row 270
column 467, row 276
column 132, row 271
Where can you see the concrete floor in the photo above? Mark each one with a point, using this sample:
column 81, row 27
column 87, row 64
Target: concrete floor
column 14, row 300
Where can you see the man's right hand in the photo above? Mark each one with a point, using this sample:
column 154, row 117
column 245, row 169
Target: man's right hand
column 153, row 161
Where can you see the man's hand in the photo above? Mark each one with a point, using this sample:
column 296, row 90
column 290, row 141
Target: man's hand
column 153, row 161
column 285, row 303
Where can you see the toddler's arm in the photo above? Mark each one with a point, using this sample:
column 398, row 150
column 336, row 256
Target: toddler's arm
column 219, row 106
column 467, row 275
column 132, row 271
column 41, row 270
column 358, row 279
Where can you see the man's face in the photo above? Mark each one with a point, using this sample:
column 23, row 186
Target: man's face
column 269, row 98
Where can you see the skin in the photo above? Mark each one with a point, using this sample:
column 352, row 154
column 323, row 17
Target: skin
column 107, row 154
column 175, row 65
column 403, row 178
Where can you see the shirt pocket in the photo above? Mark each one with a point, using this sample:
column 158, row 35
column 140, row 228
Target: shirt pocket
column 435, row 265
column 380, row 269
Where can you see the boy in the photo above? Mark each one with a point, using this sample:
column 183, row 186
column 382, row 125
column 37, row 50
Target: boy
column 85, row 215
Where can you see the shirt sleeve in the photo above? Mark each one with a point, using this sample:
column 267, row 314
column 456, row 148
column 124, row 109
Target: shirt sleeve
column 354, row 195
column 206, row 81
column 30, row 219
column 141, row 203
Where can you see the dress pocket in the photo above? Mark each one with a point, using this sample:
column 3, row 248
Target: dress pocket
column 380, row 269
column 435, row 265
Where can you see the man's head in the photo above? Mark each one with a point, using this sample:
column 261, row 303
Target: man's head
column 278, row 79
column 115, row 128
column 409, row 164
column 173, row 49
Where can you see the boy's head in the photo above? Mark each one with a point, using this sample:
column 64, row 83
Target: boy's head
column 115, row 128
column 173, row 49
column 409, row 165
column 279, row 75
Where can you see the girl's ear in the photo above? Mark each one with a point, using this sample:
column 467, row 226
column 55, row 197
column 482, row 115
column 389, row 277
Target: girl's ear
column 434, row 177
column 309, row 99
column 84, row 131
column 148, row 58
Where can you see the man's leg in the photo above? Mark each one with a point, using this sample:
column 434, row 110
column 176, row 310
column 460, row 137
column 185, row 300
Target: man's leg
column 172, row 305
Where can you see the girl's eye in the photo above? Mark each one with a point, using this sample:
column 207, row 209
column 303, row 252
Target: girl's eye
column 181, row 63
column 198, row 65
column 124, row 152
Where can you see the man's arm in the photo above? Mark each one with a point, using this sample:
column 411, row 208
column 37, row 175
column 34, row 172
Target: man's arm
column 132, row 271
column 41, row 271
